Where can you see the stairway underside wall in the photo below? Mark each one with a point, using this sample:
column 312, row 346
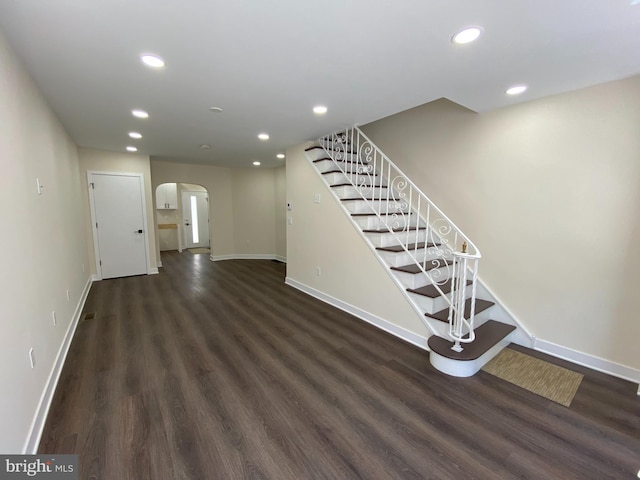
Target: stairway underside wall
column 321, row 235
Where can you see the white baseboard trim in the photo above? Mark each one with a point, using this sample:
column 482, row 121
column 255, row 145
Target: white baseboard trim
column 389, row 327
column 153, row 271
column 247, row 256
column 589, row 361
column 37, row 425
column 159, row 262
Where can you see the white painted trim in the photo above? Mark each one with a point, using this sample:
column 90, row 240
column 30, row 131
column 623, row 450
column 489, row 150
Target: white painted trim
column 389, row 327
column 587, row 360
column 153, row 271
column 159, row 262
column 92, row 211
column 280, row 258
column 39, row 419
column 245, row 256
column 523, row 335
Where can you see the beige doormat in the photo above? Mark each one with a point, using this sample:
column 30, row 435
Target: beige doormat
column 542, row 378
column 200, row 250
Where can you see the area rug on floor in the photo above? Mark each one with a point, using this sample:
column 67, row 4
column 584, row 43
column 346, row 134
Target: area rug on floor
column 200, row 250
column 542, row 378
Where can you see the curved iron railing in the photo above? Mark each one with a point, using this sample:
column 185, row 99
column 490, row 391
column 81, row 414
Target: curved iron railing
column 442, row 251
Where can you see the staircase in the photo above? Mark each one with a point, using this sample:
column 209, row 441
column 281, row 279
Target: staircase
column 428, row 257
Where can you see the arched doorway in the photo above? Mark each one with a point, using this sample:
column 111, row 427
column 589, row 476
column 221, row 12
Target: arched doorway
column 183, row 217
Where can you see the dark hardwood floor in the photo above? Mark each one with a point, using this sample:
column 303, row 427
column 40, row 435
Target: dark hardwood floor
column 221, row 371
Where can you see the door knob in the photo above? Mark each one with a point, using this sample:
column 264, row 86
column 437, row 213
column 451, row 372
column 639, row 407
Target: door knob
column 137, row 231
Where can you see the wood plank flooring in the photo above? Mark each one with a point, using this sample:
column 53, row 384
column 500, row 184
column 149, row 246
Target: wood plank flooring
column 221, row 371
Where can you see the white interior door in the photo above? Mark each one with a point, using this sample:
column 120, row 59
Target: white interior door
column 195, row 216
column 117, row 204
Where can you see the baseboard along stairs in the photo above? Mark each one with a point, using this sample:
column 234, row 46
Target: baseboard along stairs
column 433, row 263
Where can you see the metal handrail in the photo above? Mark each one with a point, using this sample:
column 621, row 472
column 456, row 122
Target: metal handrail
column 435, row 244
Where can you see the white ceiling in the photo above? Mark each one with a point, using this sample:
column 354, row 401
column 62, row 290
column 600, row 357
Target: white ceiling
column 268, row 62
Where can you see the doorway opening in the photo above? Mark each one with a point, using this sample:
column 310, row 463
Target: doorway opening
column 183, row 217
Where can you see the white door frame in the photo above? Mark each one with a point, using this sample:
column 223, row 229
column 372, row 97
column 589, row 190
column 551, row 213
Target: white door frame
column 96, row 247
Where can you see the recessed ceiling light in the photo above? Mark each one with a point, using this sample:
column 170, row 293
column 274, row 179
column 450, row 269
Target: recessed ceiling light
column 467, row 35
column 319, row 109
column 216, row 109
column 280, row 155
column 205, row 146
column 257, row 164
column 516, row 90
column 151, row 60
column 131, row 149
column 263, row 136
column 135, row 135
column 139, row 113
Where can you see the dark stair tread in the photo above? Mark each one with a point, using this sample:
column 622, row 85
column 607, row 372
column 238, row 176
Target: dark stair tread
column 443, row 315
column 329, row 159
column 395, row 230
column 332, row 149
column 487, row 335
column 350, row 173
column 358, row 186
column 351, row 199
column 415, row 268
column 431, row 291
column 411, row 246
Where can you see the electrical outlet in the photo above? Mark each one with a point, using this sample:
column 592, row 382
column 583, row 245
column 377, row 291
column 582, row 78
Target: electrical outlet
column 53, row 316
column 68, row 295
column 32, row 358
column 39, row 186
column 290, row 220
column 318, row 271
column 316, row 198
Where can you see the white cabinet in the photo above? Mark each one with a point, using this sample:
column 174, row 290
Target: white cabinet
column 167, row 196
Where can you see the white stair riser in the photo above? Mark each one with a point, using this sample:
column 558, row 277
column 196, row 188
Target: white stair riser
column 398, row 259
column 325, row 165
column 349, row 191
column 367, row 206
column 432, row 305
column 417, row 280
column 343, row 156
column 339, row 145
column 389, row 239
column 328, row 165
column 374, row 222
column 359, row 179
column 316, row 153
column 479, row 318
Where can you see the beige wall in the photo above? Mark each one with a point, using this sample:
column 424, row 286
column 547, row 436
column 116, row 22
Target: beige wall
column 103, row 161
column 242, row 204
column 549, row 192
column 322, row 236
column 281, row 212
column 254, row 205
column 43, row 248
